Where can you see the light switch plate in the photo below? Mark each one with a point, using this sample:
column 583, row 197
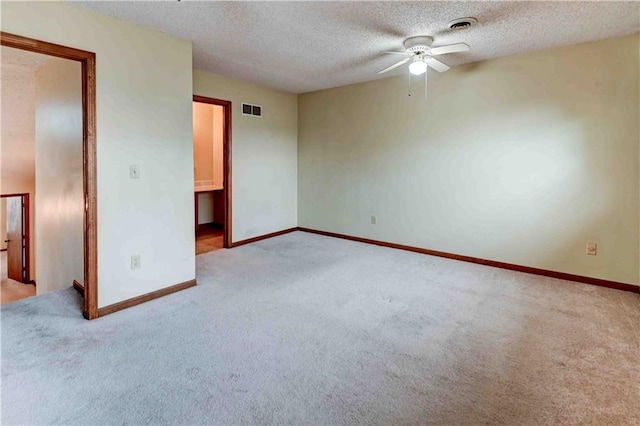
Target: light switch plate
column 135, row 262
column 134, row 171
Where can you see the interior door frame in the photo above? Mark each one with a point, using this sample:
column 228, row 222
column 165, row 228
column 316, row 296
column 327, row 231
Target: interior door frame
column 226, row 163
column 26, row 235
column 88, row 62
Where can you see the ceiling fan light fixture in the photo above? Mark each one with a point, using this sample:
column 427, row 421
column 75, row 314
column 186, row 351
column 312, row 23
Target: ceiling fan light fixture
column 418, row 67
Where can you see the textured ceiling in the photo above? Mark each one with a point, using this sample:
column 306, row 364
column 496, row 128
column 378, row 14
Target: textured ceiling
column 305, row 46
column 18, row 88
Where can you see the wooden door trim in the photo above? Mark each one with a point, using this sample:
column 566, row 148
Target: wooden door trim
column 26, row 225
column 88, row 61
column 17, row 194
column 226, row 163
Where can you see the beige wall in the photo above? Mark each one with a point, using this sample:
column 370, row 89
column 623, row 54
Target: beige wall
column 520, row 159
column 60, row 201
column 17, row 140
column 20, row 186
column 3, row 225
column 144, row 107
column 264, row 154
column 218, row 145
column 203, row 142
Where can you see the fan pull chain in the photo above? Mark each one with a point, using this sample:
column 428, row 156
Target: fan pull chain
column 409, row 84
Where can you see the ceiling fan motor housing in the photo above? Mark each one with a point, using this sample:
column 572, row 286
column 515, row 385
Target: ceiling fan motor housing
column 418, row 44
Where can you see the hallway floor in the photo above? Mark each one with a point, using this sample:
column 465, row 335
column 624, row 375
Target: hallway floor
column 209, row 238
column 11, row 290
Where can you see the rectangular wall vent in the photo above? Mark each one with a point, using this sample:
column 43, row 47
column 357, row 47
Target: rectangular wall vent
column 253, row 110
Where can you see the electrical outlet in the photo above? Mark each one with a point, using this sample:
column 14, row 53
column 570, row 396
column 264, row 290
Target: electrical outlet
column 134, row 171
column 592, row 248
column 374, row 220
column 135, row 261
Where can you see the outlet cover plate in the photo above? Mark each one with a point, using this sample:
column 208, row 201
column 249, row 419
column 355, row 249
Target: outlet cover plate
column 134, row 171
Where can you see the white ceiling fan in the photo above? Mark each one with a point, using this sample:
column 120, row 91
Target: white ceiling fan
column 421, row 54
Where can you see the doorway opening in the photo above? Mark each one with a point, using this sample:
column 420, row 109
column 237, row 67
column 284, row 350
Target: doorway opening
column 212, row 173
column 86, row 204
column 15, row 281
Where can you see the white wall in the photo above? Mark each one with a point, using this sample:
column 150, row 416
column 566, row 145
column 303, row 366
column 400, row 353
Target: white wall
column 521, row 159
column 60, row 202
column 205, row 208
column 144, row 97
column 264, row 155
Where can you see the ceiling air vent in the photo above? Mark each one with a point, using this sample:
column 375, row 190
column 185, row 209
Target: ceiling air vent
column 462, row 23
column 252, row 110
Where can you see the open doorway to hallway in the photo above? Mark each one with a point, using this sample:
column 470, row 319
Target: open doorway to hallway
column 211, row 151
column 21, row 46
column 15, row 271
column 41, row 186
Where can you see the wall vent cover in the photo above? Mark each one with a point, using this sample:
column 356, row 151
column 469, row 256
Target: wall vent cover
column 252, row 110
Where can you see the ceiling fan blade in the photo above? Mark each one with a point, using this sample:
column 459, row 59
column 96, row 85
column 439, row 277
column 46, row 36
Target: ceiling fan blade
column 450, row 48
column 436, row 64
column 396, row 65
column 398, row 53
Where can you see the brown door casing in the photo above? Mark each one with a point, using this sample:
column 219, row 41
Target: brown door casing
column 88, row 61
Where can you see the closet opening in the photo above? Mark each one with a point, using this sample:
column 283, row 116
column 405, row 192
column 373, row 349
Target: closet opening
column 212, row 173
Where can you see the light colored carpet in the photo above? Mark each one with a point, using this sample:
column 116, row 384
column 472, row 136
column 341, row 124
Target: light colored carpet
column 309, row 329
